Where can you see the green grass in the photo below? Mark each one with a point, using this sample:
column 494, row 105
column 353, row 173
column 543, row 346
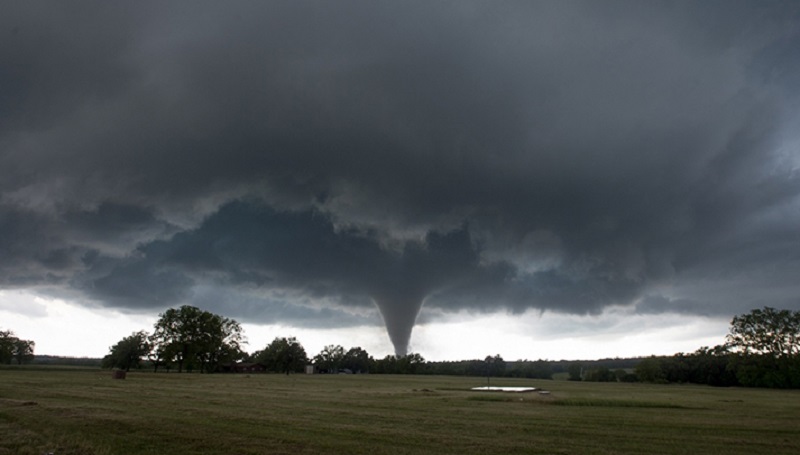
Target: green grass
column 85, row 412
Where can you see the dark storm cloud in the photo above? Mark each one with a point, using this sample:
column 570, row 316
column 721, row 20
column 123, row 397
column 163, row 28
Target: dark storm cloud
column 555, row 155
column 32, row 251
column 249, row 246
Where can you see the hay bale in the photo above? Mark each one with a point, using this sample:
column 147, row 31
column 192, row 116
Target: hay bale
column 118, row 374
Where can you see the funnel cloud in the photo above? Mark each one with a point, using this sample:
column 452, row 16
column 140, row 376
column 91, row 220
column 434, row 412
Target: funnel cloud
column 361, row 163
column 399, row 315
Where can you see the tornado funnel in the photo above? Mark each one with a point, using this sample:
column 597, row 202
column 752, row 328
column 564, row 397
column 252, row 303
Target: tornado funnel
column 399, row 314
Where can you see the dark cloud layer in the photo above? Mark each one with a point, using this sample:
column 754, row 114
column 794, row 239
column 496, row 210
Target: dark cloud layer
column 249, row 246
column 304, row 161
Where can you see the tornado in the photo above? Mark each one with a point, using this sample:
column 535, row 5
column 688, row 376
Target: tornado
column 399, row 312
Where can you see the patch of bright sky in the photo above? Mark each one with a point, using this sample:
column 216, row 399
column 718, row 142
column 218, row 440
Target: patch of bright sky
column 62, row 328
column 533, row 335
column 372, row 339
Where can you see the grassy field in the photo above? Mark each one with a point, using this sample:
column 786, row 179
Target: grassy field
column 73, row 411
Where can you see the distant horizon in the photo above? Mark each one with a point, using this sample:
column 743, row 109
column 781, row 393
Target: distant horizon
column 426, row 360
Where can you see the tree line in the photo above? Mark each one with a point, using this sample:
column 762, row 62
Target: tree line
column 762, row 350
column 191, row 339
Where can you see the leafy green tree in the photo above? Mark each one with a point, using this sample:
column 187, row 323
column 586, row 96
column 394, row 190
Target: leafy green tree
column 495, row 365
column 624, row 376
column 538, row 369
column 193, row 338
column 575, row 371
column 160, row 353
column 411, row 363
column 386, row 365
column 651, row 370
column 712, row 366
column 766, row 331
column 330, row 359
column 6, row 346
column 128, row 352
column 177, row 333
column 357, row 360
column 220, row 342
column 23, row 351
column 766, row 347
column 601, row 374
column 284, row 355
column 475, row 367
column 677, row 368
column 15, row 349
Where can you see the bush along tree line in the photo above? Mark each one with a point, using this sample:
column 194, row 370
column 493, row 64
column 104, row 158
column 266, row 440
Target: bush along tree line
column 14, row 349
column 762, row 350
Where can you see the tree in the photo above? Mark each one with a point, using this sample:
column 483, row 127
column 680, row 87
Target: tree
column 766, row 348
column 194, row 338
column 651, row 370
column 220, row 341
column 330, row 359
column 6, row 346
column 410, row 363
column 575, row 372
column 23, row 351
column 712, row 366
column 766, row 331
column 357, row 360
column 160, row 354
column 284, row 355
column 128, row 352
column 15, row 349
column 538, row 369
column 495, row 366
column 624, row 376
column 601, row 374
column 386, row 365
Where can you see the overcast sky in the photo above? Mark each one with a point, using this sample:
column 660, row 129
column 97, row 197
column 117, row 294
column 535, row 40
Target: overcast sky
column 551, row 179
